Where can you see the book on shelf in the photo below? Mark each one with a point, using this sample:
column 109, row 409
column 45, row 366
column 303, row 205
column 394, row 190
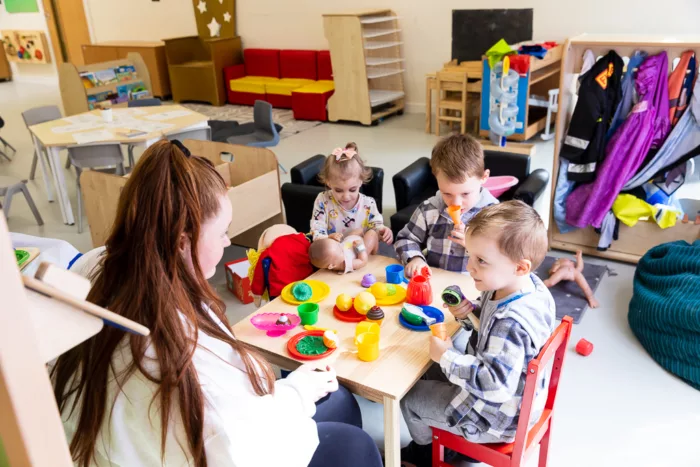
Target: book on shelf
column 125, row 73
column 105, row 77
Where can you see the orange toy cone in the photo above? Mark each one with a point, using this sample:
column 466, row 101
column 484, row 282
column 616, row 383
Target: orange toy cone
column 455, row 213
column 439, row 330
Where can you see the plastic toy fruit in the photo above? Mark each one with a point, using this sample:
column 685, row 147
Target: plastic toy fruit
column 343, row 302
column 364, row 302
column 379, row 290
column 330, row 339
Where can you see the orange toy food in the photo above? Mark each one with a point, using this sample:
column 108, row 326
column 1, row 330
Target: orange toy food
column 455, row 213
column 439, row 330
column 330, row 339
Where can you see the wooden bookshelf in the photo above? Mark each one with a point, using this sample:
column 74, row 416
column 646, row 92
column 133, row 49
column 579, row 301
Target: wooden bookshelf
column 368, row 65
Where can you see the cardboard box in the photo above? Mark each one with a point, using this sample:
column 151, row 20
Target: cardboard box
column 237, row 281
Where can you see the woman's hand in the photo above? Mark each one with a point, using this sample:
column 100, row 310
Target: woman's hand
column 324, row 380
column 338, row 237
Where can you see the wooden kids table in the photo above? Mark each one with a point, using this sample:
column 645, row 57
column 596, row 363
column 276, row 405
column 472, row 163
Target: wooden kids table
column 53, row 142
column 403, row 354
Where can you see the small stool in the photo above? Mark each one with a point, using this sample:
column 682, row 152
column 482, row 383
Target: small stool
column 8, row 187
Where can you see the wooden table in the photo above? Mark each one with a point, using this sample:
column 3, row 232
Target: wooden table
column 54, row 142
column 403, row 354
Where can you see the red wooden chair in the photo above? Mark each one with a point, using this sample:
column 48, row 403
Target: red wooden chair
column 514, row 454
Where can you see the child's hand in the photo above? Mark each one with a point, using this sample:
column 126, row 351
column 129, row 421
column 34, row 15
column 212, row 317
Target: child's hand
column 457, row 235
column 338, row 237
column 438, row 347
column 414, row 266
column 460, row 311
column 386, row 235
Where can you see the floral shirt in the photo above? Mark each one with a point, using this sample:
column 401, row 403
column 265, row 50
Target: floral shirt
column 330, row 217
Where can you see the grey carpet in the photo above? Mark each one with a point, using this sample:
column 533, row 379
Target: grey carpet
column 567, row 295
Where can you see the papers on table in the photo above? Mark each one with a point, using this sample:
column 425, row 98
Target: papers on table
column 83, row 119
column 148, row 127
column 93, row 136
column 77, row 127
column 168, row 115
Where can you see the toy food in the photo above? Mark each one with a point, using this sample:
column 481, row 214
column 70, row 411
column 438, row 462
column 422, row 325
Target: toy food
column 376, row 315
column 583, row 347
column 283, row 320
column 363, row 302
column 379, row 290
column 455, row 213
column 311, row 345
column 302, row 291
column 439, row 330
column 343, row 302
column 414, row 315
column 368, row 280
column 390, row 290
column 330, row 339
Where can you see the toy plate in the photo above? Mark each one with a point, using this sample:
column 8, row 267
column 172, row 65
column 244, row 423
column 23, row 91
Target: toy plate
column 428, row 310
column 398, row 297
column 292, row 346
column 350, row 316
column 320, row 290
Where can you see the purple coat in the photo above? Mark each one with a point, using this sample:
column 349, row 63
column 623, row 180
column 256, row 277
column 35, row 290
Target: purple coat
column 646, row 126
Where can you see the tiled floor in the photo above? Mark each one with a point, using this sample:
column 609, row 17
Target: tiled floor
column 616, row 407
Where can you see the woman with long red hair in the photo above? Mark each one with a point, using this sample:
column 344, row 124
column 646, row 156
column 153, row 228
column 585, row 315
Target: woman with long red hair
column 190, row 393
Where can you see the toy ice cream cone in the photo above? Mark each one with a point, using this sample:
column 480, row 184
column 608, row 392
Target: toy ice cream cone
column 439, row 330
column 455, row 213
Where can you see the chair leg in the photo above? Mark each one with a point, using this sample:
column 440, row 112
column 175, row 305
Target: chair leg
column 32, row 206
column 131, row 156
column 544, row 446
column 68, row 163
column 32, row 171
column 80, row 200
column 2, row 153
column 7, row 202
column 284, row 171
column 7, row 145
column 438, row 452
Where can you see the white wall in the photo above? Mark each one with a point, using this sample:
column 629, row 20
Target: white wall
column 426, row 24
column 31, row 72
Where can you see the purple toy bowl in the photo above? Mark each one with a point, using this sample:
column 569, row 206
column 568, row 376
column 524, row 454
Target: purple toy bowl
column 267, row 322
column 499, row 185
column 368, row 280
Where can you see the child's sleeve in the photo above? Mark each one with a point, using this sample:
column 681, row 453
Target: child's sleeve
column 410, row 240
column 494, row 374
column 319, row 219
column 375, row 219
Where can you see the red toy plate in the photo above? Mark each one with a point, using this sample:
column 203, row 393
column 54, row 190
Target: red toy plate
column 292, row 346
column 350, row 316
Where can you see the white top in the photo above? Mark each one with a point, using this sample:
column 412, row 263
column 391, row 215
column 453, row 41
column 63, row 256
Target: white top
column 241, row 429
column 330, row 217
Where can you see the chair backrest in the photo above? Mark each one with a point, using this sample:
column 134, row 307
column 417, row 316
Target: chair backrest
column 553, row 350
column 201, row 134
column 154, row 102
column 444, row 77
column 90, row 157
column 262, row 118
column 41, row 114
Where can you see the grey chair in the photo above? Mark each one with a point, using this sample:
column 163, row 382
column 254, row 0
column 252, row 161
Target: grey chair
column 9, row 186
column 36, row 116
column 261, row 133
column 144, row 102
column 5, row 144
column 94, row 157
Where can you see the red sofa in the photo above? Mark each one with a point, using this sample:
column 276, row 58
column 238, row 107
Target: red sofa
column 300, row 80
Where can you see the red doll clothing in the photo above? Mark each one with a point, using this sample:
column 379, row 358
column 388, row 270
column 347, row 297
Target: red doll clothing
column 289, row 262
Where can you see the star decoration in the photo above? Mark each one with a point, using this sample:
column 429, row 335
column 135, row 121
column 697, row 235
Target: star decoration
column 201, row 6
column 227, row 17
column 221, row 2
column 214, row 28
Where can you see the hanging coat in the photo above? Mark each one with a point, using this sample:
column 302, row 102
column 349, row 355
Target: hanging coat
column 647, row 125
column 598, row 97
column 680, row 84
column 627, row 99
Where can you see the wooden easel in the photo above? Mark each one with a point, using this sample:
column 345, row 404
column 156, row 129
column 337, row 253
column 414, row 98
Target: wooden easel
column 36, row 327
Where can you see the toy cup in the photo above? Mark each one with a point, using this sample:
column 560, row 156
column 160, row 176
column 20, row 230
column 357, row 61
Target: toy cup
column 395, row 275
column 439, row 330
column 308, row 312
column 455, row 213
column 365, row 327
column 367, row 346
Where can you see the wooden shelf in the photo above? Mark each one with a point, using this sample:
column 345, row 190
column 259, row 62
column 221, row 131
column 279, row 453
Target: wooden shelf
column 374, row 45
column 544, row 73
column 383, row 72
column 378, row 19
column 379, row 32
column 384, row 112
column 380, row 96
column 379, row 61
column 110, row 87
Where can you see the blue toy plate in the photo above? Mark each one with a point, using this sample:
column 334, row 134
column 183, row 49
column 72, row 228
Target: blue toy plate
column 428, row 310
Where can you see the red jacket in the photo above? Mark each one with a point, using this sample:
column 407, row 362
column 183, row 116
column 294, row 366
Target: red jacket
column 290, row 262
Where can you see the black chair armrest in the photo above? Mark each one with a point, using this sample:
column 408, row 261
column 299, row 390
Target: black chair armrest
column 411, row 181
column 506, row 163
column 375, row 187
column 532, row 187
column 306, row 173
column 299, row 204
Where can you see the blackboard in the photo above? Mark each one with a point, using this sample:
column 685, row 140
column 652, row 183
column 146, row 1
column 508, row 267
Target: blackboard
column 475, row 31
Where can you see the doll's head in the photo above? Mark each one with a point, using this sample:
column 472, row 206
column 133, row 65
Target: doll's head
column 326, row 253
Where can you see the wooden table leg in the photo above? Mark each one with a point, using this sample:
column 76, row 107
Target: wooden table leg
column 392, row 432
column 428, row 105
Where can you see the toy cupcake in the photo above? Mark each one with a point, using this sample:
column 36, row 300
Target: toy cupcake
column 375, row 315
column 368, row 280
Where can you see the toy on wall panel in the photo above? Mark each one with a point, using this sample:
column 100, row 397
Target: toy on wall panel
column 503, row 111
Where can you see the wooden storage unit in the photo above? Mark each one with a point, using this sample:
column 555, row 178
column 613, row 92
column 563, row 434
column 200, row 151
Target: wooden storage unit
column 368, row 65
column 5, row 70
column 634, row 241
column 75, row 96
column 252, row 175
column 542, row 76
column 152, row 53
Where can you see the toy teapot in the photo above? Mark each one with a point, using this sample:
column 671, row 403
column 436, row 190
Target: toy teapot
column 419, row 291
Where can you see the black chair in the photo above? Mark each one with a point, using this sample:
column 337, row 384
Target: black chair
column 299, row 195
column 416, row 183
column 152, row 102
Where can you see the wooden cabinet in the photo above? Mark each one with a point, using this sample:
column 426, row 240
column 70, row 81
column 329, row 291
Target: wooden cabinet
column 153, row 54
column 5, row 71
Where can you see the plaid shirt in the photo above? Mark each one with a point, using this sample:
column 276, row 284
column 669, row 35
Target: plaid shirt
column 492, row 373
column 430, row 227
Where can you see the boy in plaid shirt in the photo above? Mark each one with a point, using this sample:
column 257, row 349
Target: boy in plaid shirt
column 477, row 394
column 458, row 165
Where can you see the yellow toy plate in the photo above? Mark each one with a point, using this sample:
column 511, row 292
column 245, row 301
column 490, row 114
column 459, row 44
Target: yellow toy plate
column 397, row 298
column 320, row 290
